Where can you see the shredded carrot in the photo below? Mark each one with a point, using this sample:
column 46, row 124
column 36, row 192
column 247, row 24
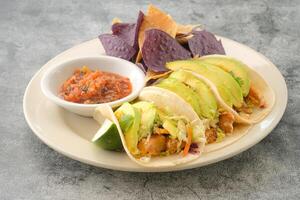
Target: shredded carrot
column 188, row 143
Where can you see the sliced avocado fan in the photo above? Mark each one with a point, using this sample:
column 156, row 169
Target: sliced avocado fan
column 228, row 88
column 208, row 103
column 237, row 69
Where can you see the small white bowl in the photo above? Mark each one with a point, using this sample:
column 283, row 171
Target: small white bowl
column 54, row 77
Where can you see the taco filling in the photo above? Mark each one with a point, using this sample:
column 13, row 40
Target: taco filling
column 253, row 100
column 196, row 93
column 150, row 131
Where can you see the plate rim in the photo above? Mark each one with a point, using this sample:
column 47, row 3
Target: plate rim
column 267, row 131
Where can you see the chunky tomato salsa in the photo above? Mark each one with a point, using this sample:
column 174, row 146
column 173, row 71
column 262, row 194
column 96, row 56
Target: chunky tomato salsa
column 91, row 87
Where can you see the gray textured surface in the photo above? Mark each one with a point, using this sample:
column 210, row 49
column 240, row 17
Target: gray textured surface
column 32, row 32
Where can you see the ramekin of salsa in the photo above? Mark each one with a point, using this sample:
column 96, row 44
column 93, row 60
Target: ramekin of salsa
column 86, row 86
column 82, row 84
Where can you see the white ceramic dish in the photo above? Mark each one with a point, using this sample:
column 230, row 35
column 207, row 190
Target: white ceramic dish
column 71, row 134
column 54, row 77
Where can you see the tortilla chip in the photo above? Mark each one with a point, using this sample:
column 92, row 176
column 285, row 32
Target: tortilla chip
column 205, row 43
column 128, row 31
column 160, row 48
column 155, row 18
column 138, row 57
column 116, row 20
column 186, row 29
column 155, row 75
column 116, row 46
column 183, row 38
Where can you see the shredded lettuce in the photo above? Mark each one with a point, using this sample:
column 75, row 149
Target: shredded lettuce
column 213, row 123
column 198, row 132
column 182, row 130
column 220, row 135
column 178, row 117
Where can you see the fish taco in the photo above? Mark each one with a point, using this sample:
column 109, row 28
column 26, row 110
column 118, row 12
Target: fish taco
column 238, row 88
column 159, row 129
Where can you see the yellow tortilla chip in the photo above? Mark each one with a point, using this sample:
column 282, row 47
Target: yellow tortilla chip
column 185, row 29
column 139, row 56
column 154, row 75
column 155, row 18
column 115, row 20
column 183, row 39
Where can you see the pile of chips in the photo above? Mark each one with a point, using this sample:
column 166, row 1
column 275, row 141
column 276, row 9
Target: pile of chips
column 156, row 39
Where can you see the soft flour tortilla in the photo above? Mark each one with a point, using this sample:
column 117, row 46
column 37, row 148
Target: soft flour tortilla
column 268, row 96
column 163, row 99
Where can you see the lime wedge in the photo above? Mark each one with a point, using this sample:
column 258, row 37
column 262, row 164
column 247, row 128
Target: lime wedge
column 108, row 136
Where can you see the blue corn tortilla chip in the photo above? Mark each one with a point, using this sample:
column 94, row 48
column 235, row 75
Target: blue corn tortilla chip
column 205, row 43
column 117, row 47
column 160, row 48
column 124, row 31
column 128, row 31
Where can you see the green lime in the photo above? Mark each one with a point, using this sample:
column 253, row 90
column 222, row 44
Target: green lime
column 108, row 136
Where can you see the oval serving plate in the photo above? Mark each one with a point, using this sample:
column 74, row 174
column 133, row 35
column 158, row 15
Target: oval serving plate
column 70, row 134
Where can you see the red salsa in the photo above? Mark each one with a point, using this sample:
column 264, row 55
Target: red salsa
column 91, row 87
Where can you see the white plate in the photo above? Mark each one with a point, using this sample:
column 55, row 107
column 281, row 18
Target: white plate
column 70, row 134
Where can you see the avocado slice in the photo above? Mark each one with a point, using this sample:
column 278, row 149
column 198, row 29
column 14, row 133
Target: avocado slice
column 208, row 102
column 228, row 88
column 188, row 94
column 131, row 115
column 148, row 116
column 237, row 69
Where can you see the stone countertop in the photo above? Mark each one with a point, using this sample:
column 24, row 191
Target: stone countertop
column 32, row 32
